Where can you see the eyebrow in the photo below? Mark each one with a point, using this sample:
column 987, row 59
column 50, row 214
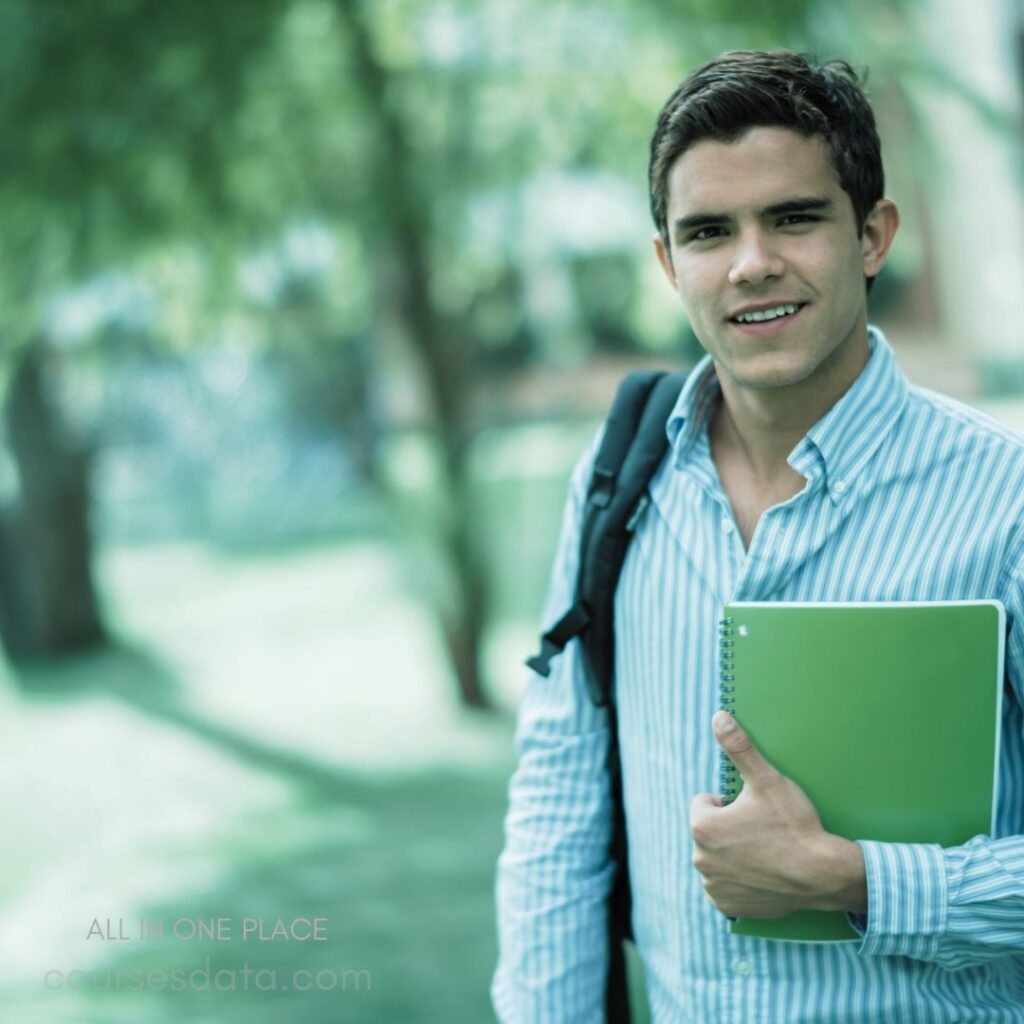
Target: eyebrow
column 798, row 204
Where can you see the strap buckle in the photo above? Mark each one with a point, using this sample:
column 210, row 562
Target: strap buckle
column 553, row 642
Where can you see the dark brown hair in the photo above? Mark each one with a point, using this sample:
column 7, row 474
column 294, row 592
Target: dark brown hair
column 744, row 89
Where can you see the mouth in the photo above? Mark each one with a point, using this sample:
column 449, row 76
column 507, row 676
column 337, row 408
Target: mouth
column 765, row 322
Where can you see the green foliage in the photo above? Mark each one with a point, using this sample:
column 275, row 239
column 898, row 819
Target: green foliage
column 120, row 125
column 130, row 105
column 135, row 125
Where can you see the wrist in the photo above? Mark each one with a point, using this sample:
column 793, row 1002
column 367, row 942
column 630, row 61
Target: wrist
column 844, row 885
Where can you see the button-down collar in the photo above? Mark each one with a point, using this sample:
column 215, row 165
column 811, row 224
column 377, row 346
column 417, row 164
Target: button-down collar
column 838, row 447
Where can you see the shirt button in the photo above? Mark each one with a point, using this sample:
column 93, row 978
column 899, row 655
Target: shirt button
column 839, row 486
column 726, row 525
column 742, row 966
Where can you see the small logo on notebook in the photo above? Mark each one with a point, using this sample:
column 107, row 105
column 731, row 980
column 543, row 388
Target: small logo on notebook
column 743, row 630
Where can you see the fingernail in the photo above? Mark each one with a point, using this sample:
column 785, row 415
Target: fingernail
column 725, row 722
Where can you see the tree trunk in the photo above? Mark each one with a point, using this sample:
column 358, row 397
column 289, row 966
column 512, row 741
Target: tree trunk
column 465, row 623
column 47, row 599
column 443, row 356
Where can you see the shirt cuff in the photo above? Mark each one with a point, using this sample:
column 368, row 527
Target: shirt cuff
column 907, row 899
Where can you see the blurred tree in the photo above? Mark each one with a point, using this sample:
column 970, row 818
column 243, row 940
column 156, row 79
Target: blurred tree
column 47, row 600
column 404, row 246
column 119, row 118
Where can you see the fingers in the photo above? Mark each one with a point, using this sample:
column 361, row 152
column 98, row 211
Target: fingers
column 737, row 744
column 704, row 801
column 703, row 810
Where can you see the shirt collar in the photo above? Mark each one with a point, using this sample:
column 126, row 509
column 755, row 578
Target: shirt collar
column 693, row 408
column 839, row 445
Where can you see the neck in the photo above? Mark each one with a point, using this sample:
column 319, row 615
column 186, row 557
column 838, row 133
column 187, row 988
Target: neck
column 761, row 427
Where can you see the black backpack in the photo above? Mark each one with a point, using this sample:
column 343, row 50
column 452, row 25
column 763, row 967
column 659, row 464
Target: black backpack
column 631, row 450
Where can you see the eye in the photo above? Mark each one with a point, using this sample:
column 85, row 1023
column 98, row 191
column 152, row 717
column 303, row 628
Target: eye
column 793, row 219
column 704, row 234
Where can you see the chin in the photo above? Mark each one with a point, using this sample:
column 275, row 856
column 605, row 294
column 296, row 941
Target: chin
column 773, row 373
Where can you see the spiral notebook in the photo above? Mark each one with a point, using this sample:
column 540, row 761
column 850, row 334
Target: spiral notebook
column 886, row 714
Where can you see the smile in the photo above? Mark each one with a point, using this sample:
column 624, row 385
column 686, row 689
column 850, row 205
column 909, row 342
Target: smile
column 767, row 321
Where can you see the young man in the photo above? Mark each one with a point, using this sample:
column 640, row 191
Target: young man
column 801, row 466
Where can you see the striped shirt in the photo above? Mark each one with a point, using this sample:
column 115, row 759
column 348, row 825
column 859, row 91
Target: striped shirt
column 909, row 496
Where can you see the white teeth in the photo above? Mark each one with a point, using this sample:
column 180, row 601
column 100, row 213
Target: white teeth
column 765, row 314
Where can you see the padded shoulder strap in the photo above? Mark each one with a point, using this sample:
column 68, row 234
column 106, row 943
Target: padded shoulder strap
column 633, row 444
column 611, row 530
column 620, row 430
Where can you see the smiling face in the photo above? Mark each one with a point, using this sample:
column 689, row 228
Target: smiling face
column 760, row 227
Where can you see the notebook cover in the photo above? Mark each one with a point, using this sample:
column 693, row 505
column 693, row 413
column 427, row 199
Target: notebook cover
column 886, row 714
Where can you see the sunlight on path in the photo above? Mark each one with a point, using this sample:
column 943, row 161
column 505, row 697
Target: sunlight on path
column 266, row 741
column 323, row 650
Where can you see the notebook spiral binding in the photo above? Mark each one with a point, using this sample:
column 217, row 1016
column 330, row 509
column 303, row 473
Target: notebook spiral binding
column 727, row 702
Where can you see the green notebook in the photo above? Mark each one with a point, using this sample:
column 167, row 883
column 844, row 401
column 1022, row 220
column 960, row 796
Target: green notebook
column 886, row 714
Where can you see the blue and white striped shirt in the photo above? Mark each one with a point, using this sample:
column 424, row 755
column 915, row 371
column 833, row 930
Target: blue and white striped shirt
column 909, row 496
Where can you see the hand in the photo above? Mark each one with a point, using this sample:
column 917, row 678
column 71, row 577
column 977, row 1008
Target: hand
column 766, row 854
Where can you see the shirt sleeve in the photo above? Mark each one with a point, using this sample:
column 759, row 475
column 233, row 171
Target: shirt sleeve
column 956, row 906
column 554, row 874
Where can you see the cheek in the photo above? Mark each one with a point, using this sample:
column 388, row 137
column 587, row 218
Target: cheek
column 848, row 283
column 843, row 265
column 697, row 286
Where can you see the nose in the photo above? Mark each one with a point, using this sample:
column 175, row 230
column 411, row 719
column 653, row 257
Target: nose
column 754, row 259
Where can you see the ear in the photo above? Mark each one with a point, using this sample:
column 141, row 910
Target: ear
column 665, row 259
column 876, row 238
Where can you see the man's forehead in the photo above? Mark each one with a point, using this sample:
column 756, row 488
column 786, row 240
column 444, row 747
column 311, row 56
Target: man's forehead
column 760, row 168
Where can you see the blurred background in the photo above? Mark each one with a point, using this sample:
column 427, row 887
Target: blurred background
column 307, row 307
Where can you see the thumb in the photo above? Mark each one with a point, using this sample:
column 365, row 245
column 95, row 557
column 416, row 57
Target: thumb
column 737, row 744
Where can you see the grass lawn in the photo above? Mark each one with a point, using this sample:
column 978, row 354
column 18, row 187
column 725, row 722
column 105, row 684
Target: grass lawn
column 272, row 740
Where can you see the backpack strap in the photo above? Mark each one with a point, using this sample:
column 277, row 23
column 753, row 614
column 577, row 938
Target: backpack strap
column 634, row 443
column 632, row 448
